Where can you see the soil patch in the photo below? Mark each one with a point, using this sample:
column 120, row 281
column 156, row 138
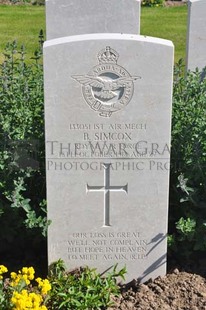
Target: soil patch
column 175, row 3
column 5, row 2
column 175, row 291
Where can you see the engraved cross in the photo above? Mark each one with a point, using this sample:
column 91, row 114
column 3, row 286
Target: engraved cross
column 106, row 189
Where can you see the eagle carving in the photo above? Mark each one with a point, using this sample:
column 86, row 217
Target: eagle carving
column 105, row 89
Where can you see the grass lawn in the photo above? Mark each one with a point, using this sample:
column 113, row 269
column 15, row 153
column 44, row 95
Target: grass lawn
column 23, row 23
column 168, row 23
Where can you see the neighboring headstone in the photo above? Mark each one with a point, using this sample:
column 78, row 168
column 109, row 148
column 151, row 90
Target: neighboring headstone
column 108, row 119
column 75, row 17
column 196, row 36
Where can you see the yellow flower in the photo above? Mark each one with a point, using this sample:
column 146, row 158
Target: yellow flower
column 44, row 285
column 3, row 269
column 25, row 278
column 13, row 275
column 24, row 299
column 27, row 301
column 16, row 278
column 29, row 272
column 26, row 274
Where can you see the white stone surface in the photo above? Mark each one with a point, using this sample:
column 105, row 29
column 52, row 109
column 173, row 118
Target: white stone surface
column 196, row 36
column 107, row 109
column 75, row 17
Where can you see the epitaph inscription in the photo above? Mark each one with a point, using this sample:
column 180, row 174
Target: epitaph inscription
column 119, row 246
column 106, row 189
column 108, row 87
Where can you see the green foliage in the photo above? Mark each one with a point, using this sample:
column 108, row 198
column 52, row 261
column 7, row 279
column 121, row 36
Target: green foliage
column 33, row 2
column 4, row 298
column 82, row 289
column 38, row 2
column 22, row 171
column 186, row 228
column 188, row 173
column 152, row 3
column 21, row 125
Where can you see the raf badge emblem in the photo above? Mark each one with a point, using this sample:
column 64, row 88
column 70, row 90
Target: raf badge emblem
column 108, row 87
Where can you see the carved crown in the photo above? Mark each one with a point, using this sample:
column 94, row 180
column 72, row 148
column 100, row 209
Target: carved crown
column 108, row 55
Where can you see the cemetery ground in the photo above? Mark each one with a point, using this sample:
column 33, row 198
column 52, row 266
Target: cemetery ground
column 176, row 291
column 185, row 289
column 20, row 22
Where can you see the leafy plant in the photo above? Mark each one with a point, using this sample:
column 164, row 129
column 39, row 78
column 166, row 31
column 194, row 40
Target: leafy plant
column 152, row 3
column 83, row 288
column 21, row 127
column 38, row 2
column 186, row 228
column 33, row 2
column 22, row 170
column 188, row 173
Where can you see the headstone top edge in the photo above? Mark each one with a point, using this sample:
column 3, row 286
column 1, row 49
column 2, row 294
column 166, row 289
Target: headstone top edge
column 193, row 1
column 107, row 36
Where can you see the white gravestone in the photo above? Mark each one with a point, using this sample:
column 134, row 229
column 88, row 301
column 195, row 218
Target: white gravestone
column 75, row 17
column 108, row 117
column 196, row 35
